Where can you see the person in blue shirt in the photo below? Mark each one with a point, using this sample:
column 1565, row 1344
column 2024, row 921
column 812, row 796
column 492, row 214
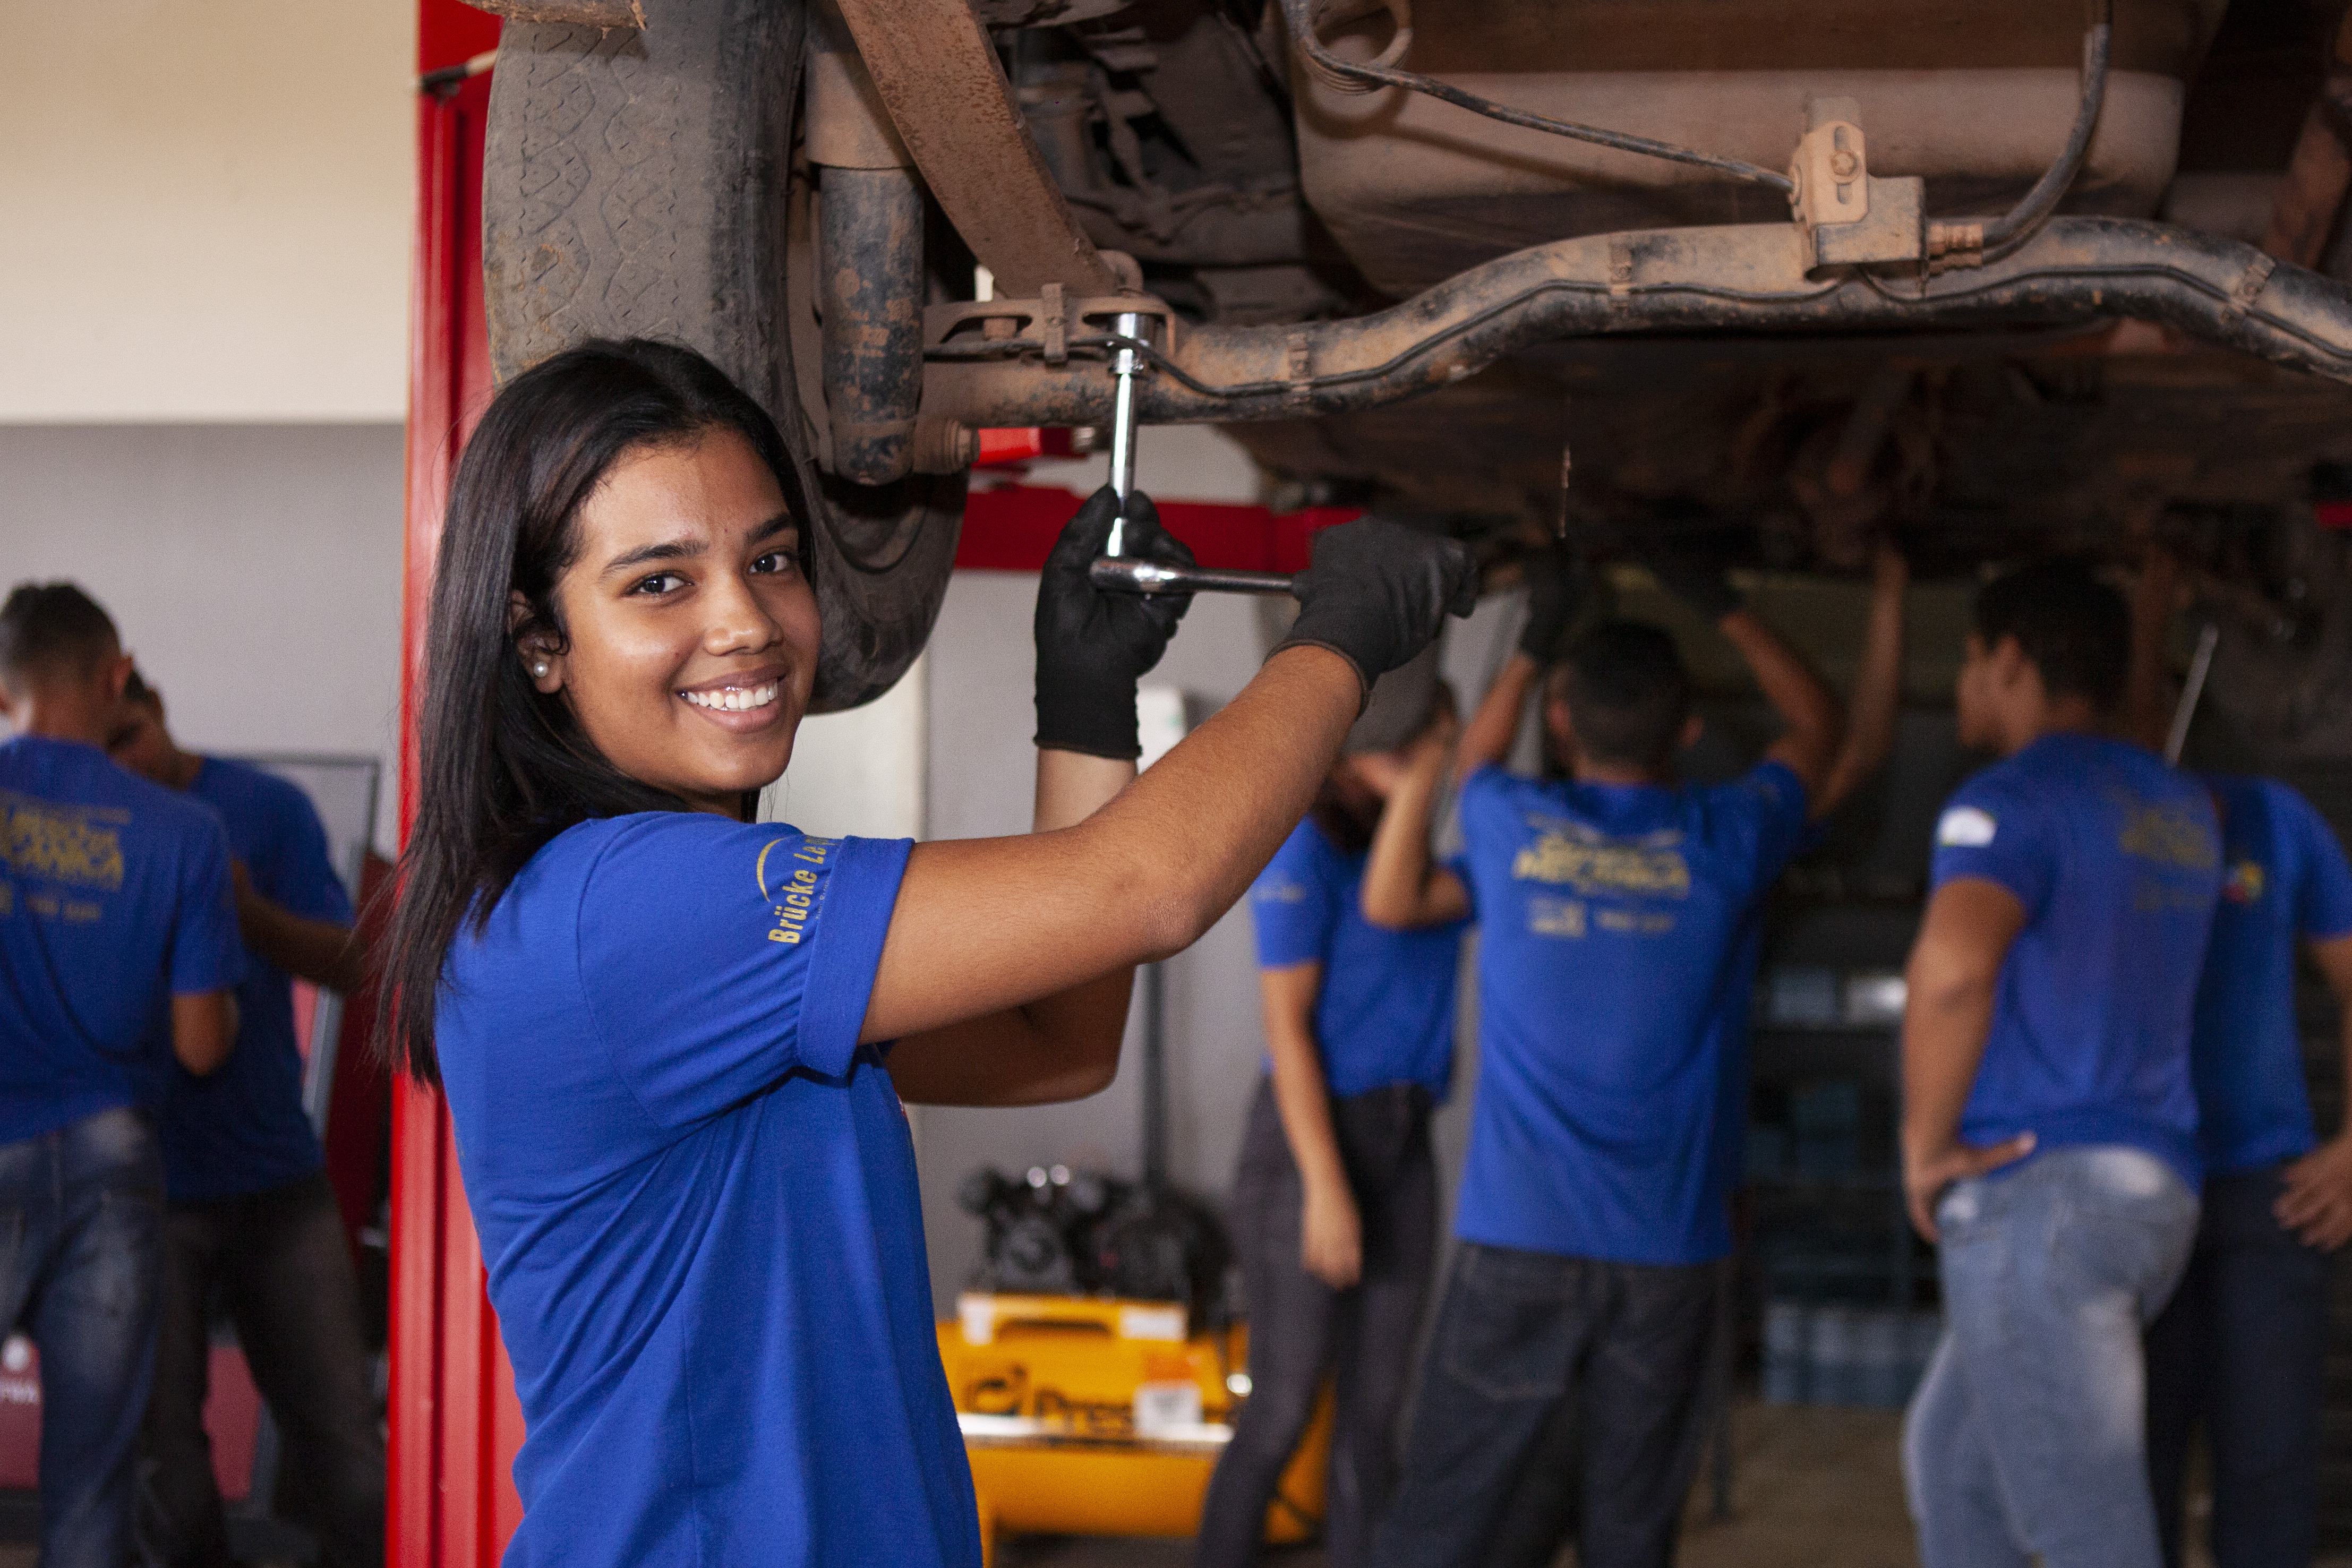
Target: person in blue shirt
column 1617, row 913
column 251, row 1218
column 2241, row 1349
column 2049, row 1127
column 118, row 954
column 674, row 1041
column 1335, row 1198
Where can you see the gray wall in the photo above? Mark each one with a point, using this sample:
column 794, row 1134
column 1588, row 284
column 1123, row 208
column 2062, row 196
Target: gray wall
column 255, row 570
column 982, row 766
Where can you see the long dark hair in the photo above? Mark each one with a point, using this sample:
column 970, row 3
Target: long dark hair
column 502, row 768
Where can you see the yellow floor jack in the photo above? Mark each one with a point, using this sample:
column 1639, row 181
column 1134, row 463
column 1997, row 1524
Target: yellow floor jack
column 1095, row 1386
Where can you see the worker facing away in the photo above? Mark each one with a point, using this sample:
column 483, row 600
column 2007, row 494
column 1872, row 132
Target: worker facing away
column 674, row 1042
column 1335, row 1198
column 250, row 1218
column 1618, row 943
column 119, row 958
column 2241, row 1349
column 2049, row 1118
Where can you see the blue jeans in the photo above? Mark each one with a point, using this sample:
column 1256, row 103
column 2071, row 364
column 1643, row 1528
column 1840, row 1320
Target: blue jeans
column 2243, row 1350
column 81, row 1217
column 278, row 1261
column 1301, row 1327
column 2027, row 1437
column 1523, row 1338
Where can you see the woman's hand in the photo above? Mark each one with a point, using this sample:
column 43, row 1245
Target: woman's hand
column 1331, row 1235
column 1376, row 592
column 1093, row 646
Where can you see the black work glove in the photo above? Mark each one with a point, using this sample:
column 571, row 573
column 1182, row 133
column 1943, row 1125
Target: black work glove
column 1093, row 646
column 1695, row 576
column 1551, row 604
column 1375, row 593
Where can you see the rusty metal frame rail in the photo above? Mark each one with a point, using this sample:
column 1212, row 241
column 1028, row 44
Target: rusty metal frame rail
column 1748, row 279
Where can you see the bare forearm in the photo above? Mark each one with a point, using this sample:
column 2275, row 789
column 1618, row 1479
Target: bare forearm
column 1302, row 1097
column 1204, row 822
column 2146, row 698
column 1073, row 785
column 318, row 951
column 1396, row 874
column 1878, row 691
column 1943, row 1044
column 1487, row 739
column 1141, row 878
column 1800, row 696
column 1061, row 1046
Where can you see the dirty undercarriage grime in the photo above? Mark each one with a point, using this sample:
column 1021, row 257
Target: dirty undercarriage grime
column 1404, row 253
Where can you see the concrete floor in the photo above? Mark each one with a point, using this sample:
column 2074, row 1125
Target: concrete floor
column 1813, row 1488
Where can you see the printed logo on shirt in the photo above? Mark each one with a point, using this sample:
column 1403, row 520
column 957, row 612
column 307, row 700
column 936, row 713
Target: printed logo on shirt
column 798, row 884
column 2169, row 835
column 59, row 844
column 2245, row 882
column 1573, row 855
column 1966, row 828
column 1554, row 916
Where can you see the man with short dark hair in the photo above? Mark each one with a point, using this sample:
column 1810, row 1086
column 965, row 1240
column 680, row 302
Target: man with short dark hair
column 1617, row 952
column 251, row 1216
column 2049, row 1121
column 118, row 953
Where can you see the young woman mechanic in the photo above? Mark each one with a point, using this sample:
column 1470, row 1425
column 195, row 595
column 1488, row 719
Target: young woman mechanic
column 666, row 1033
column 1335, row 1203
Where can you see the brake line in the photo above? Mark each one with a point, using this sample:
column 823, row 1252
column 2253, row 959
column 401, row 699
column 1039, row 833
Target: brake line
column 1298, row 14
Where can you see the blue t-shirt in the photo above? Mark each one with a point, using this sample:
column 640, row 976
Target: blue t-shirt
column 241, row 1129
column 1617, row 955
column 1385, row 1014
column 2117, row 860
column 695, row 1195
column 2284, row 878
column 114, row 898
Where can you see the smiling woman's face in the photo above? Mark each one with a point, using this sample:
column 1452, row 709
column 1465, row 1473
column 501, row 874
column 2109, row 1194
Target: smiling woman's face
column 692, row 635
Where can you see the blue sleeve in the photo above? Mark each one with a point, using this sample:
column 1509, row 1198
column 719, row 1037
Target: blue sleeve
column 717, row 956
column 208, row 953
column 299, row 874
column 1766, row 813
column 1295, row 901
column 2322, row 906
column 1990, row 831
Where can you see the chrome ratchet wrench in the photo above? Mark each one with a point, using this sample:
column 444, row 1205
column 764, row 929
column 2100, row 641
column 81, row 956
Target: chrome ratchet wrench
column 1116, row 572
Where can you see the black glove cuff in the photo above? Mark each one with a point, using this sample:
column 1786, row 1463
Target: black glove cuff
column 1098, row 721
column 1363, row 684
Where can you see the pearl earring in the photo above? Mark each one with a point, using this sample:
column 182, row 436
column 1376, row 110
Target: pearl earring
column 539, row 669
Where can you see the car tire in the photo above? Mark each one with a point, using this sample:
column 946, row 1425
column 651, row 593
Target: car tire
column 637, row 183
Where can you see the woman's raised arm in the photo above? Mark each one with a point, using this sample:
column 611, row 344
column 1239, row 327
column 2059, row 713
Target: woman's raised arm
column 985, row 975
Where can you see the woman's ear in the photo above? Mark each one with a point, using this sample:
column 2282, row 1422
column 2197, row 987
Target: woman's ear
column 540, row 649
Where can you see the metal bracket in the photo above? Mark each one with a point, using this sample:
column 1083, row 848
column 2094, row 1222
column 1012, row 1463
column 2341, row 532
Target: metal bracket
column 1852, row 217
column 946, row 321
column 1053, row 326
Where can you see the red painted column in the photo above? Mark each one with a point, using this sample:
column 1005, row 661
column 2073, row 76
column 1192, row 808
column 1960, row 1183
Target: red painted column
column 454, row 1422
